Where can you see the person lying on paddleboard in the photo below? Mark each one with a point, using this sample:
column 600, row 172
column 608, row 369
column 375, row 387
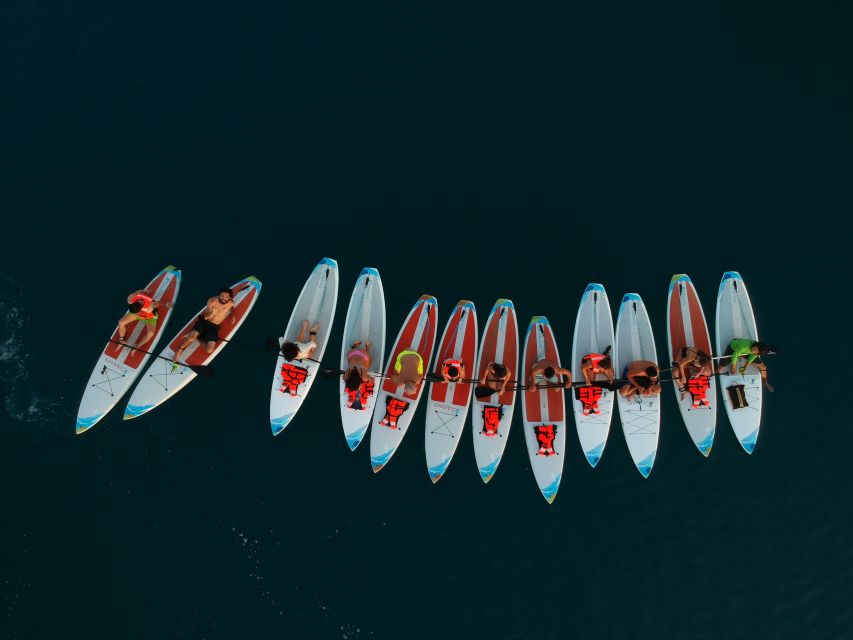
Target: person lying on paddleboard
column 206, row 327
column 694, row 363
column 453, row 370
column 593, row 364
column 752, row 351
column 408, row 370
column 358, row 361
column 141, row 306
column 300, row 350
column 644, row 379
column 494, row 380
column 546, row 373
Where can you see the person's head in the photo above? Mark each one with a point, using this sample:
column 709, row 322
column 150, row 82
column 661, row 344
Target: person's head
column 763, row 349
column 289, row 350
column 702, row 358
column 225, row 295
column 605, row 363
column 498, row 370
column 652, row 372
column 135, row 307
column 352, row 379
column 453, row 372
column 549, row 372
column 411, row 386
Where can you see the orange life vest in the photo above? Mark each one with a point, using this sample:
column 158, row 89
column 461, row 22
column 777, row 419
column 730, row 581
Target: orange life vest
column 697, row 388
column 453, row 362
column 589, row 396
column 147, row 310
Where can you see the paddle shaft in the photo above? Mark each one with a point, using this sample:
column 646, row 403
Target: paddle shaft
column 198, row 368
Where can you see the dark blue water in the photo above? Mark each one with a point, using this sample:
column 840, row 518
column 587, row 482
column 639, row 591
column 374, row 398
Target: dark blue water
column 504, row 150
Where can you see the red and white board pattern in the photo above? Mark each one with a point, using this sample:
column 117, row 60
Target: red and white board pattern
column 119, row 366
column 544, row 411
column 163, row 379
column 492, row 415
column 447, row 406
column 394, row 407
column 686, row 327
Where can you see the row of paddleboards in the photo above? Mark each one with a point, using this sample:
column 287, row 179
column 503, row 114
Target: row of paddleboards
column 389, row 409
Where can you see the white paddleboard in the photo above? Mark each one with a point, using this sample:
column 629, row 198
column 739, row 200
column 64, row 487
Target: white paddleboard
column 118, row 367
column 686, row 327
column 292, row 380
column 640, row 415
column 164, row 379
column 593, row 334
column 365, row 321
column 395, row 408
column 491, row 416
column 544, row 411
column 447, row 403
column 735, row 319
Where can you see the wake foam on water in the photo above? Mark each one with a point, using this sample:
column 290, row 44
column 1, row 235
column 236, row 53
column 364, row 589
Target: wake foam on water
column 22, row 403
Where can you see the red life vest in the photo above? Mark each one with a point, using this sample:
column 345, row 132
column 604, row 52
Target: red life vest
column 291, row 377
column 394, row 408
column 147, row 310
column 492, row 420
column 357, row 398
column 453, row 362
column 545, row 435
column 589, row 396
column 697, row 388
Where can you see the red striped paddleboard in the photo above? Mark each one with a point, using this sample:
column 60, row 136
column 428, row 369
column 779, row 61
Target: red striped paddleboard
column 447, row 406
column 118, row 367
column 394, row 407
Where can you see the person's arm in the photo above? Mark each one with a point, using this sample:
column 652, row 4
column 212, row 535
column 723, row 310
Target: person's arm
column 568, row 374
column 505, row 380
column 134, row 294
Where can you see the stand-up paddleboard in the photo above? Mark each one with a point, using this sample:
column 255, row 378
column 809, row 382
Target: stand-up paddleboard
column 686, row 327
column 164, row 379
column 394, row 407
column 447, row 404
column 592, row 405
column 735, row 319
column 640, row 415
column 119, row 366
column 365, row 321
column 492, row 415
column 544, row 410
column 292, row 379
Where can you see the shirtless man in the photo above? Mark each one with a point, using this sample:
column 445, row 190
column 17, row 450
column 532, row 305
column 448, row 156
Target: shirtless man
column 644, row 379
column 408, row 370
column 546, row 373
column 206, row 327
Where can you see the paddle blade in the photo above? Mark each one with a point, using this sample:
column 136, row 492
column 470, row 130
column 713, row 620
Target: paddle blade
column 483, row 391
column 330, row 373
column 202, row 370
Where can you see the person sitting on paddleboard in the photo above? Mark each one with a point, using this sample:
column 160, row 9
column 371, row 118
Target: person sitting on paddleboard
column 358, row 361
column 644, row 379
column 143, row 307
column 694, row 363
column 494, row 379
column 752, row 351
column 547, row 373
column 206, row 327
column 453, row 370
column 300, row 350
column 408, row 370
column 593, row 364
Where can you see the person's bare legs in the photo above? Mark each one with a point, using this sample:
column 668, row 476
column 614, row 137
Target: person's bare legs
column 210, row 346
column 150, row 330
column 122, row 324
column 188, row 340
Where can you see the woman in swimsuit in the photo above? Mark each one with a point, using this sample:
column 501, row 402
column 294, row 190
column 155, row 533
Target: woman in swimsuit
column 408, row 370
column 594, row 364
column 358, row 364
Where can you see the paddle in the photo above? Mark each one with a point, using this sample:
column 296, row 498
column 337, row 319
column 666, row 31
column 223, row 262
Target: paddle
column 202, row 370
